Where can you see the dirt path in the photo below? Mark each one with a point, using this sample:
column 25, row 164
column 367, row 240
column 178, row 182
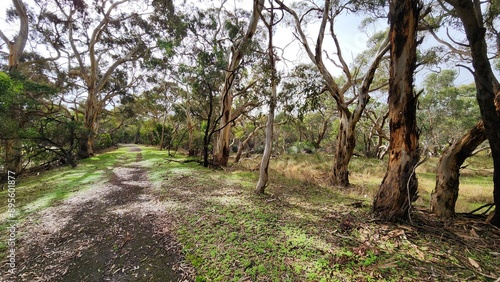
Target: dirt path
column 116, row 231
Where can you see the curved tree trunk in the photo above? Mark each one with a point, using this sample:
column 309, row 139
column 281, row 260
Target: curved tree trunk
column 445, row 193
column 487, row 85
column 399, row 185
column 16, row 46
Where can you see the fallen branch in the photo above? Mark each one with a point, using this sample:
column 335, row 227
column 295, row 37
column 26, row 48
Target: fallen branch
column 491, row 205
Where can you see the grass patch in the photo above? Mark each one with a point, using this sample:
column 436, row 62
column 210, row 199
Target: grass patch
column 36, row 192
column 302, row 230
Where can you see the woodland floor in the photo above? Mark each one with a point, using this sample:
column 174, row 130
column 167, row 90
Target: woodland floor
column 112, row 232
column 161, row 218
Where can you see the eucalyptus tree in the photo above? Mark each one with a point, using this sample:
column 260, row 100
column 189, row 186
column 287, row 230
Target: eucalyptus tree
column 445, row 110
column 33, row 68
column 201, row 70
column 15, row 47
column 356, row 86
column 241, row 44
column 270, row 19
column 213, row 33
column 101, row 40
column 399, row 185
column 305, row 97
column 476, row 25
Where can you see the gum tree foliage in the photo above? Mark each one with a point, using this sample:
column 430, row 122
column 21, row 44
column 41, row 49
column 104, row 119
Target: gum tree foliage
column 102, row 41
column 201, row 70
column 305, row 98
column 46, row 129
column 352, row 95
column 241, row 40
column 211, row 35
column 445, row 110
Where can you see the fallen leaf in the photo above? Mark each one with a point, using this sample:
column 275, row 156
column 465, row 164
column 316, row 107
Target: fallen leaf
column 474, row 263
column 473, row 233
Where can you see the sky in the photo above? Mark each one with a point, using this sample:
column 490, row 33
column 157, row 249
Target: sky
column 352, row 40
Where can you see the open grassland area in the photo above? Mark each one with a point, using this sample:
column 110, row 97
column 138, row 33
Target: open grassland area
column 302, row 229
column 366, row 174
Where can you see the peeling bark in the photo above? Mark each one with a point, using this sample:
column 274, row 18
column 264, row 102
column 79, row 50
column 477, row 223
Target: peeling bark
column 399, row 186
column 222, row 147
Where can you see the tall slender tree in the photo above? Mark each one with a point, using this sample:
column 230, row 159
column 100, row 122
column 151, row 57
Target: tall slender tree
column 238, row 50
column 266, row 157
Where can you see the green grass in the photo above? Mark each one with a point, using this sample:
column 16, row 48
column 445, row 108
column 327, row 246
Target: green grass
column 366, row 174
column 302, row 230
column 36, row 192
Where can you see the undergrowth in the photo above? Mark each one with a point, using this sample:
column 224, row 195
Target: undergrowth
column 301, row 230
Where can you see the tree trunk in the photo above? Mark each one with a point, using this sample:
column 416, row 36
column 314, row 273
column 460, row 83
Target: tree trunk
column 399, row 186
column 222, row 149
column 92, row 111
column 241, row 146
column 162, row 137
column 445, row 193
column 13, row 153
column 487, row 85
column 13, row 147
column 346, row 141
column 239, row 48
column 190, row 127
column 264, row 164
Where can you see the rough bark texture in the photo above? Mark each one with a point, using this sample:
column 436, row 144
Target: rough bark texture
column 399, row 185
column 445, row 193
column 346, row 141
column 486, row 85
column 222, row 147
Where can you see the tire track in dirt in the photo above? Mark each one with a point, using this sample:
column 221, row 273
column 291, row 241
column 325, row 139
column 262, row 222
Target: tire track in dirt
column 113, row 232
